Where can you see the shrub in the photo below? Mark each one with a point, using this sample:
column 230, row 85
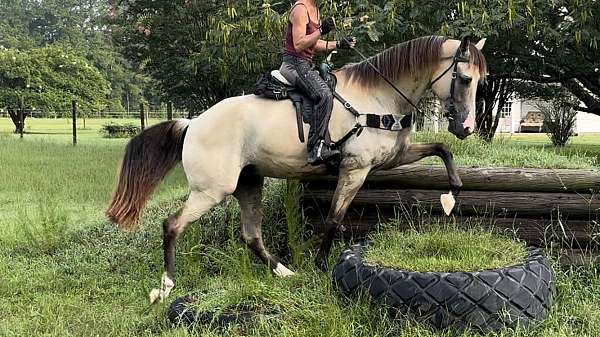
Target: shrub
column 112, row 130
column 559, row 120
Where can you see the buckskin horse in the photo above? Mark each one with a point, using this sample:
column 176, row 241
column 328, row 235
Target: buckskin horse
column 231, row 147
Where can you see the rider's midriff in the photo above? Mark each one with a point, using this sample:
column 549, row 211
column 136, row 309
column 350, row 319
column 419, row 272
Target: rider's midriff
column 306, row 54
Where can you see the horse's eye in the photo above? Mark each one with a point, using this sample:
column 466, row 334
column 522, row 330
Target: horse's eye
column 466, row 79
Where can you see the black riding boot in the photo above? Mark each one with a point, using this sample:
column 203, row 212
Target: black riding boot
column 322, row 153
column 301, row 73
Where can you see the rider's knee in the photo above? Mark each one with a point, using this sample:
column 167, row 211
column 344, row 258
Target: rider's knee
column 325, row 97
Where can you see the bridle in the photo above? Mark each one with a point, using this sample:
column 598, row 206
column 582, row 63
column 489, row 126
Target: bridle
column 458, row 57
column 392, row 122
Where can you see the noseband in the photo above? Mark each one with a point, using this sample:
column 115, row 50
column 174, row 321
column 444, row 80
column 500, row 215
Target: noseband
column 456, row 59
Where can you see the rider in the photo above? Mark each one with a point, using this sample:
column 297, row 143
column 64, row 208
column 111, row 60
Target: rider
column 302, row 40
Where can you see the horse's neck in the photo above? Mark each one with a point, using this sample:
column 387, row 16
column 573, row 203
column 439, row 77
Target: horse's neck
column 382, row 99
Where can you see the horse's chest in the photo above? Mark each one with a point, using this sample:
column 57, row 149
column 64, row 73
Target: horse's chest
column 379, row 148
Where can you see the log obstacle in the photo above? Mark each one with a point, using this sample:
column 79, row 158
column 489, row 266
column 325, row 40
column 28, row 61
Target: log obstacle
column 537, row 204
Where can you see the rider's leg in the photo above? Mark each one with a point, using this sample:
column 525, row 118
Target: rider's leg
column 300, row 73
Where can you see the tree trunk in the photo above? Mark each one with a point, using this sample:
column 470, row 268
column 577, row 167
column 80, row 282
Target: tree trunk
column 485, row 108
column 495, row 93
column 15, row 116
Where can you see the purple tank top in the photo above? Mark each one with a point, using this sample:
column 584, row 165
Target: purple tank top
column 306, row 54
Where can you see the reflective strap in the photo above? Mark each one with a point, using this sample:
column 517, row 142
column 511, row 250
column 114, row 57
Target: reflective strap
column 383, row 122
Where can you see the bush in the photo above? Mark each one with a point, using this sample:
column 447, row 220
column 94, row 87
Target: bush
column 112, row 130
column 559, row 120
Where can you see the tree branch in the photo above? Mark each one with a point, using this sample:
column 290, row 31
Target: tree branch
column 592, row 103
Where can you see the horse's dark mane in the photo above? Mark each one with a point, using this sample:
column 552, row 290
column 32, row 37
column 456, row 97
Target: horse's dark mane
column 407, row 58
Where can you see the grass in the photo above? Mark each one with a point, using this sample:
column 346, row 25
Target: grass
column 65, row 271
column 60, row 129
column 444, row 250
column 519, row 151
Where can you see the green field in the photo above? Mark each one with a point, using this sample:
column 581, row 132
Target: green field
column 65, row 271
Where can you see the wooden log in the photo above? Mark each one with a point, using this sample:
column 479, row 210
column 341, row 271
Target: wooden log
column 486, row 203
column 579, row 257
column 480, row 179
column 537, row 232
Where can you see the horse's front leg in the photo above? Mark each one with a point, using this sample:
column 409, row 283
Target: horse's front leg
column 416, row 152
column 349, row 182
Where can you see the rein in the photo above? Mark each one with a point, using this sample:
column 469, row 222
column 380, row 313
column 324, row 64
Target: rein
column 391, row 122
column 456, row 59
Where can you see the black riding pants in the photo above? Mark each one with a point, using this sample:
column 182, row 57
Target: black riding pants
column 300, row 73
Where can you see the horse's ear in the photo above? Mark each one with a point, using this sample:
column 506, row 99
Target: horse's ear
column 480, row 44
column 464, row 44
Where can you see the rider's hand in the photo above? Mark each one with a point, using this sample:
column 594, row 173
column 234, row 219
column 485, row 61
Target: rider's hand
column 346, row 42
column 327, row 25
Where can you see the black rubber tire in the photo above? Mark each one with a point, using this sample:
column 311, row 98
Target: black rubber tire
column 487, row 300
column 181, row 313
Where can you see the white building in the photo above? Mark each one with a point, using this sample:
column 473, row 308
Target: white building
column 516, row 111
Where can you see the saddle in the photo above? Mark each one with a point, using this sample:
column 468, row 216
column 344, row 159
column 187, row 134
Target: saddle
column 273, row 85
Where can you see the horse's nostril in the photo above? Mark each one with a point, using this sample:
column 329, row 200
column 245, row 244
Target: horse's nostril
column 468, row 131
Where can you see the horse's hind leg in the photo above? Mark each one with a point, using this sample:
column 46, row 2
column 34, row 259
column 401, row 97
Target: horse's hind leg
column 249, row 195
column 198, row 203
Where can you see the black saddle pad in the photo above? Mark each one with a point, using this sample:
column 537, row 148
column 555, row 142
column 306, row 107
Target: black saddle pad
column 270, row 87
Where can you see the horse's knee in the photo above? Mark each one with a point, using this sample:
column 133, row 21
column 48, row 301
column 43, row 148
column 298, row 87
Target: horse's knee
column 330, row 227
column 442, row 150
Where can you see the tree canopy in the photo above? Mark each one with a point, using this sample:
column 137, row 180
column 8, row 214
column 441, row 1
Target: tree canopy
column 203, row 51
column 49, row 79
column 79, row 27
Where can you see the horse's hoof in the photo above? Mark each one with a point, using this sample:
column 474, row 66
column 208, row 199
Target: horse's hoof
column 155, row 296
column 283, row 271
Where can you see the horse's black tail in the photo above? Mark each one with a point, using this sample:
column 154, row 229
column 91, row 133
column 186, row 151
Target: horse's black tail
column 149, row 156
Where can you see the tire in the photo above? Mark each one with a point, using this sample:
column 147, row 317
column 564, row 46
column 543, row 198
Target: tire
column 182, row 314
column 487, row 300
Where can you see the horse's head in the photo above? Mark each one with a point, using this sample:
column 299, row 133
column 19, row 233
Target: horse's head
column 461, row 67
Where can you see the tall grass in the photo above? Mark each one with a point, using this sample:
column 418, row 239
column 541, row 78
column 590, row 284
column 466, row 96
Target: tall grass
column 65, row 271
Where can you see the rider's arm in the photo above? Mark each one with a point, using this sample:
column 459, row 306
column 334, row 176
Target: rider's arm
column 299, row 20
column 323, row 45
column 345, row 43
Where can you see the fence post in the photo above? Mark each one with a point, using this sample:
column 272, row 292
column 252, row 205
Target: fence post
column 22, row 117
column 142, row 117
column 74, row 116
column 169, row 110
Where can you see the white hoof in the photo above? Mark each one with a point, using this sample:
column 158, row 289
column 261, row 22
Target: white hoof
column 155, row 296
column 448, row 202
column 282, row 271
column 166, row 285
